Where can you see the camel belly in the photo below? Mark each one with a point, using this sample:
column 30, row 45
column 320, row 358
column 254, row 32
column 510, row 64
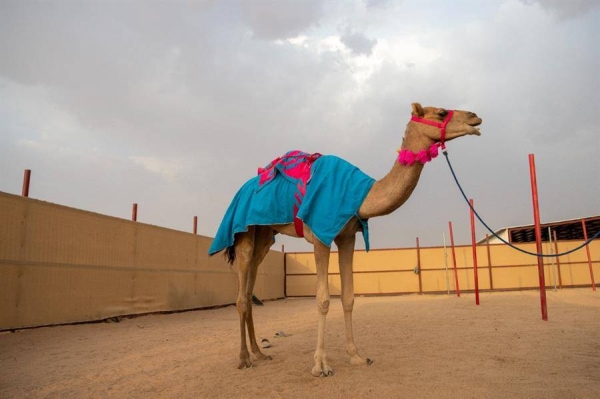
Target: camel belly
column 290, row 230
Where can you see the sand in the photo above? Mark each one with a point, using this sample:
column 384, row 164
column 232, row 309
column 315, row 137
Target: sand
column 422, row 346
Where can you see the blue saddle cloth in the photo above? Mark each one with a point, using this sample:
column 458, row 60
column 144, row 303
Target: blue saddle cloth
column 334, row 193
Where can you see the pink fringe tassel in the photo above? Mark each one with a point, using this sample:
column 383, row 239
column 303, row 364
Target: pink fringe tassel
column 408, row 158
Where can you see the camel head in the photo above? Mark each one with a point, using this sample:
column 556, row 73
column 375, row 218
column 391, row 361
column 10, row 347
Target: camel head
column 432, row 120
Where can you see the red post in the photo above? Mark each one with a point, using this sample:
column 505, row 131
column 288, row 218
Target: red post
column 557, row 260
column 26, row 179
column 134, row 213
column 419, row 267
column 587, row 249
column 538, row 236
column 195, row 224
column 489, row 254
column 284, row 271
column 474, row 245
column 456, row 288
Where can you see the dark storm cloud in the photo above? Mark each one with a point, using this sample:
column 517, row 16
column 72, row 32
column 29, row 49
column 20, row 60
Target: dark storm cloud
column 272, row 20
column 359, row 43
column 565, row 9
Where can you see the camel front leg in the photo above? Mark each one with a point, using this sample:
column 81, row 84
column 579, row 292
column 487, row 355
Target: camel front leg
column 321, row 367
column 346, row 254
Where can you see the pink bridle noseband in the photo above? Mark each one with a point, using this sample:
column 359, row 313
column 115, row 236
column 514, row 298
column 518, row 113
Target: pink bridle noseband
column 408, row 158
column 440, row 125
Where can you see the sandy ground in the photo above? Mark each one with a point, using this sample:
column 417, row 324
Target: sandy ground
column 423, row 347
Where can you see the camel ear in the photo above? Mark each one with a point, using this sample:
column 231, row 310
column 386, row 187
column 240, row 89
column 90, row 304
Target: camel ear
column 417, row 110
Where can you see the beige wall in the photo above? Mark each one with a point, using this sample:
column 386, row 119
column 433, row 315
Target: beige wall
column 63, row 265
column 391, row 271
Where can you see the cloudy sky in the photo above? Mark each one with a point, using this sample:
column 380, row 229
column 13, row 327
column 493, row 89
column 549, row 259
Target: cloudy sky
column 174, row 105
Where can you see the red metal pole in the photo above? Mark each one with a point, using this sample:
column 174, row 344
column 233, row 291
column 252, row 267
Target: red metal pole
column 474, row 245
column 557, row 260
column 134, row 213
column 419, row 267
column 284, row 271
column 195, row 224
column 456, row 288
column 587, row 249
column 538, row 236
column 26, row 179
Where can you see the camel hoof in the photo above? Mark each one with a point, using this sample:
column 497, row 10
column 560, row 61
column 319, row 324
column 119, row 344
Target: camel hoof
column 322, row 372
column 359, row 361
column 261, row 356
column 326, row 374
column 245, row 364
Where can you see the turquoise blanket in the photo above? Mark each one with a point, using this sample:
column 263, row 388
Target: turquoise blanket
column 334, row 193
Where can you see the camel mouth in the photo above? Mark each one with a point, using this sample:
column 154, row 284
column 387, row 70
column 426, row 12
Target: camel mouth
column 472, row 130
column 477, row 122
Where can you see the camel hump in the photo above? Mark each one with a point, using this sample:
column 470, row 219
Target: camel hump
column 293, row 164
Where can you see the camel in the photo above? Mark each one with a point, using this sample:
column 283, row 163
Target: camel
column 427, row 130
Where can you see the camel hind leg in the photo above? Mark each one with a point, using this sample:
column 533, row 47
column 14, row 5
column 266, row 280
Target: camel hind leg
column 263, row 239
column 250, row 249
column 244, row 248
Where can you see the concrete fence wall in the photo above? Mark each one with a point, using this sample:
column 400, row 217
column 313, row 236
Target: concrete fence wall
column 392, row 271
column 63, row 265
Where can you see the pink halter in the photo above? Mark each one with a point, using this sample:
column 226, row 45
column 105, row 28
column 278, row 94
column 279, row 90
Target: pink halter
column 441, row 125
column 407, row 157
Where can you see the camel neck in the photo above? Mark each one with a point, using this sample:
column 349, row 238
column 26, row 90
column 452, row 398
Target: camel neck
column 389, row 193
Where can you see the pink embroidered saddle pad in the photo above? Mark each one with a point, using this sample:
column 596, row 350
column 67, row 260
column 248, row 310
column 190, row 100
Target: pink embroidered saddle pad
column 295, row 165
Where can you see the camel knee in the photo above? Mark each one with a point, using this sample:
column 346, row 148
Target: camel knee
column 242, row 305
column 244, row 252
column 244, row 246
column 348, row 304
column 323, row 306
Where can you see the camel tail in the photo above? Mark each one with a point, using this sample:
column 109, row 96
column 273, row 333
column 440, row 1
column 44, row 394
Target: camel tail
column 229, row 254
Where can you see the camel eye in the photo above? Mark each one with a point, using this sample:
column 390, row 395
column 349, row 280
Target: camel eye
column 442, row 112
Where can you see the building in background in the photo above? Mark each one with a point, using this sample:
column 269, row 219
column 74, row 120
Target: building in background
column 565, row 230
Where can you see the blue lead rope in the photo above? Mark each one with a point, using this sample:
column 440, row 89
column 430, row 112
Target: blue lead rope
column 445, row 152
